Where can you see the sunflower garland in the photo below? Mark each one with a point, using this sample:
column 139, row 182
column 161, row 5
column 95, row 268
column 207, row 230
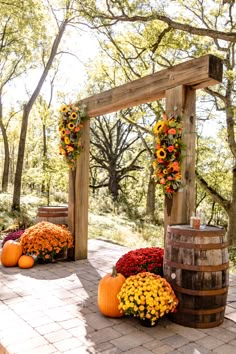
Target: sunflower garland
column 70, row 129
column 169, row 145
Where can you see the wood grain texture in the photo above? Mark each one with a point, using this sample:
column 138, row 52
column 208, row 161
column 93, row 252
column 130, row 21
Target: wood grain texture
column 197, row 73
column 182, row 100
column 82, row 197
column 71, row 211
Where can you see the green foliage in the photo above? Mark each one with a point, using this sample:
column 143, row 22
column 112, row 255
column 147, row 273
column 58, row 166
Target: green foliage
column 232, row 258
column 214, row 164
column 12, row 221
column 22, row 28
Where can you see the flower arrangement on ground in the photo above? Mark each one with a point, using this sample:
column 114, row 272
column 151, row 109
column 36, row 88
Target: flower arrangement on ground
column 15, row 235
column 46, row 240
column 70, row 128
column 147, row 296
column 148, row 259
column 169, row 146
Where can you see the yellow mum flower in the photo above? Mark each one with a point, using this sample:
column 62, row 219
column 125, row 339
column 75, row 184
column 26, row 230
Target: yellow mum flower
column 145, row 301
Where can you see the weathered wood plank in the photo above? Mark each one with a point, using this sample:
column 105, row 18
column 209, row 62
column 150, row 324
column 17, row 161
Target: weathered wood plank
column 82, row 196
column 179, row 209
column 197, row 73
column 71, row 209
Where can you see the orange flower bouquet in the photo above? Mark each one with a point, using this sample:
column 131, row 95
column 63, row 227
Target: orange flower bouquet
column 46, row 240
column 169, row 146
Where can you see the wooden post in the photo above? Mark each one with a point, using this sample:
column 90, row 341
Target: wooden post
column 71, row 210
column 78, row 198
column 182, row 100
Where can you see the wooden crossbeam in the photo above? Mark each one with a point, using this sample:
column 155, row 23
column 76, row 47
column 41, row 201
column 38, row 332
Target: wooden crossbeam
column 197, row 73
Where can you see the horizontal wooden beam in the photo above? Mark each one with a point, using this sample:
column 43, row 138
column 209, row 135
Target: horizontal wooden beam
column 197, row 73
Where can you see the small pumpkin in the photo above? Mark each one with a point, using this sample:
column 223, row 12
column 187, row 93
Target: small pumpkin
column 108, row 289
column 26, row 262
column 11, row 253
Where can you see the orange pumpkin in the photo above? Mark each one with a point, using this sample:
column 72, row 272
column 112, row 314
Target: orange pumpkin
column 26, row 262
column 11, row 253
column 108, row 289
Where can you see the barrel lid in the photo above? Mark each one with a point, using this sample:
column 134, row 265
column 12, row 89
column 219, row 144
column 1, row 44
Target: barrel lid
column 185, row 229
column 53, row 207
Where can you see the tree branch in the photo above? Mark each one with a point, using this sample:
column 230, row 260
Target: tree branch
column 213, row 193
column 199, row 31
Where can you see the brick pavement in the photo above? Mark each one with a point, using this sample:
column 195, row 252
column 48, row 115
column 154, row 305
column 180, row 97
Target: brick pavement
column 53, row 309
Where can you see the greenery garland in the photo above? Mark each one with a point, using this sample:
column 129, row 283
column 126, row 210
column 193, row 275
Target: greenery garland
column 70, row 129
column 169, row 146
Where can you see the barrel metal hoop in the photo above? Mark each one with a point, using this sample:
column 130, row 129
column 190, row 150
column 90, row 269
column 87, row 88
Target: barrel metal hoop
column 200, row 324
column 212, row 292
column 215, row 268
column 51, row 215
column 209, row 246
column 203, row 312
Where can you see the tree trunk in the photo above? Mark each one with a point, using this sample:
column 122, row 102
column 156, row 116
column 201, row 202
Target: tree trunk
column 5, row 176
column 232, row 213
column 26, row 113
column 20, row 160
column 113, row 186
column 150, row 202
column 44, row 186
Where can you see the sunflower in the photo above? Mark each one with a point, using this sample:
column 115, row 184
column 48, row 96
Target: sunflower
column 71, row 125
column 73, row 115
column 67, row 140
column 63, row 131
column 154, row 165
column 64, row 108
column 161, row 154
column 158, row 127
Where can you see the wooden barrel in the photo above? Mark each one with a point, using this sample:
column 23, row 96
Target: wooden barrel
column 196, row 264
column 53, row 214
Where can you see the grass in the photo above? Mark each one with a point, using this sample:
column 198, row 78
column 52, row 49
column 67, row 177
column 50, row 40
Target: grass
column 106, row 225
column 124, row 232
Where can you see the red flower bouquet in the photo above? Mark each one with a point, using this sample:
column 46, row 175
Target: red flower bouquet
column 149, row 259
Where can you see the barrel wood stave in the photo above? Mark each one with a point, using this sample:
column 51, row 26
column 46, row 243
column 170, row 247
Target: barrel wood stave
column 196, row 264
column 54, row 214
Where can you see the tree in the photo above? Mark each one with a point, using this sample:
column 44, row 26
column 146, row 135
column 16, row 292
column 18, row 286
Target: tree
column 113, row 152
column 70, row 16
column 144, row 12
column 122, row 59
column 196, row 28
column 16, row 53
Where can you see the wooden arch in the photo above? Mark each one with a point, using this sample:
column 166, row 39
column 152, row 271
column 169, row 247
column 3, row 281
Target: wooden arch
column 178, row 85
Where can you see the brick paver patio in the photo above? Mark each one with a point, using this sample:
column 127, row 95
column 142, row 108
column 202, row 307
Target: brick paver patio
column 53, row 309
